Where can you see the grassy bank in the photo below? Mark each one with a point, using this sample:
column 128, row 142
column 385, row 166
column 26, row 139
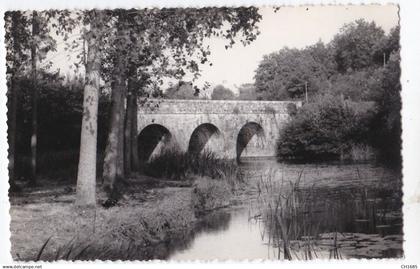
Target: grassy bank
column 168, row 201
column 47, row 226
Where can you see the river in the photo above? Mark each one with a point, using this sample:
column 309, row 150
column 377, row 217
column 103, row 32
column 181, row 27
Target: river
column 302, row 211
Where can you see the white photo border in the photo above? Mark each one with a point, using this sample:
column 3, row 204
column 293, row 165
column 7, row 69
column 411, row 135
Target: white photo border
column 410, row 80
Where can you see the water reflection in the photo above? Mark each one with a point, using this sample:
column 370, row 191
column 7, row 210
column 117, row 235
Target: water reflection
column 213, row 223
column 302, row 222
column 242, row 240
column 304, row 212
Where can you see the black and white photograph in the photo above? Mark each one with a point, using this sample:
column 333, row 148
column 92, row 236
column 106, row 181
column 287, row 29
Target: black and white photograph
column 205, row 133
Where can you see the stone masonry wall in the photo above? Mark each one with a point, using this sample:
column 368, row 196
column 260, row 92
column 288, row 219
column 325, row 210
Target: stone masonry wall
column 182, row 117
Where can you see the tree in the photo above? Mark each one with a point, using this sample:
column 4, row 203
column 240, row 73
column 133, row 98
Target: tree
column 387, row 122
column 16, row 43
column 174, row 39
column 327, row 129
column 367, row 69
column 284, row 75
column 247, row 92
column 386, row 46
column 354, row 46
column 222, row 93
column 358, row 85
column 182, row 90
column 112, row 163
column 34, row 42
column 28, row 34
column 157, row 41
column 86, row 173
column 136, row 83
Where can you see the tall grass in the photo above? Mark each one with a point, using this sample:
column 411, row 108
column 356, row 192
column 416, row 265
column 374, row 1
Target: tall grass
column 288, row 215
column 358, row 153
column 303, row 220
column 176, row 165
column 92, row 248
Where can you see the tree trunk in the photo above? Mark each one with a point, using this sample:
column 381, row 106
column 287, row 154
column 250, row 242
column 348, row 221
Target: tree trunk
column 131, row 128
column 111, row 150
column 12, row 102
column 127, row 132
column 35, row 32
column 135, row 162
column 114, row 151
column 120, row 149
column 86, row 173
column 12, row 131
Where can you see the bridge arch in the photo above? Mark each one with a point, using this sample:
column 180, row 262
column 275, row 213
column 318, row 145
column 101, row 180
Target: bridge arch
column 152, row 140
column 208, row 137
column 246, row 133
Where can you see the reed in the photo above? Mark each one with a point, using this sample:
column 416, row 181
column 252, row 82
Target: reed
column 303, row 220
column 176, row 165
column 291, row 216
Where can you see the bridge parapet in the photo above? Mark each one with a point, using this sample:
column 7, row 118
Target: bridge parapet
column 178, row 106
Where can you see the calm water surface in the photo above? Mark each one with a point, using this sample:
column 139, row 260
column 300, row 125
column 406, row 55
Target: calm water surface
column 341, row 211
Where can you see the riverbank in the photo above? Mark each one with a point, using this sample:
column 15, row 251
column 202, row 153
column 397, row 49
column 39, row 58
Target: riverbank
column 46, row 225
column 161, row 219
column 308, row 211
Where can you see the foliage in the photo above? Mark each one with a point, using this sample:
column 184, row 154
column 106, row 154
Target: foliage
column 173, row 164
column 347, row 66
column 358, row 85
column 355, row 46
column 141, row 45
column 126, row 232
column 169, row 42
column 183, row 90
column 17, row 42
column 60, row 111
column 284, row 75
column 247, row 91
column 324, row 130
column 222, row 93
column 19, row 38
column 209, row 194
column 360, row 64
column 387, row 122
column 175, row 43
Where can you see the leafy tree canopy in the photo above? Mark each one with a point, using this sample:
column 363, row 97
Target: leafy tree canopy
column 247, row 92
column 356, row 45
column 222, row 93
column 182, row 90
column 283, row 75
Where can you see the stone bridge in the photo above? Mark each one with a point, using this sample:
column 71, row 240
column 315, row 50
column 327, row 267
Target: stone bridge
column 231, row 129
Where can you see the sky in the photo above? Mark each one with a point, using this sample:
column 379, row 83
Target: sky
column 293, row 27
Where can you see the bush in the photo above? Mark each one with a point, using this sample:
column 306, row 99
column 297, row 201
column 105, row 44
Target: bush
column 327, row 129
column 387, row 123
column 209, row 194
column 176, row 165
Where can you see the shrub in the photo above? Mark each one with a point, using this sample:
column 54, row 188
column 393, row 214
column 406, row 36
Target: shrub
column 360, row 153
column 325, row 130
column 387, row 124
column 209, row 194
column 176, row 165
